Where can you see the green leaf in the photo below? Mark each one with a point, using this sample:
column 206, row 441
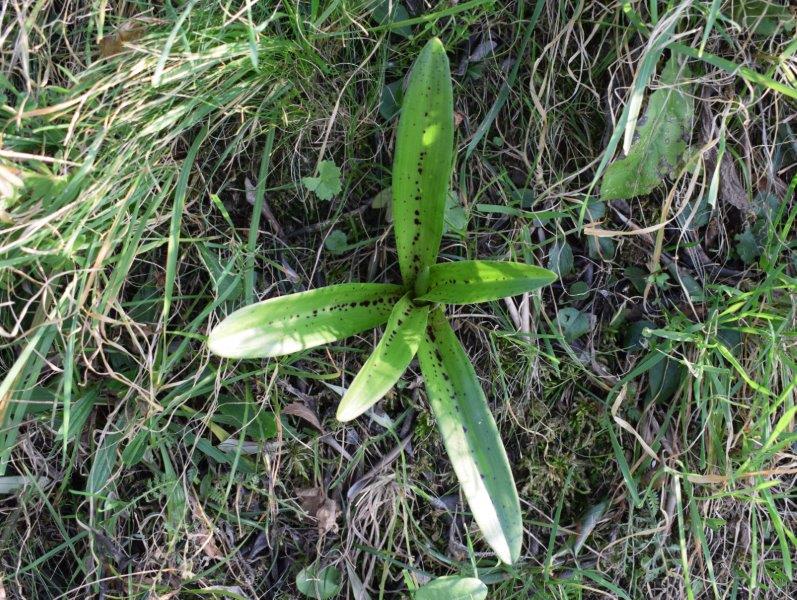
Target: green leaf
column 664, row 379
column 295, row 322
column 763, row 17
column 392, row 97
column 242, row 414
column 228, row 282
column 391, row 357
column 573, row 323
column 455, row 219
column 135, row 449
column 327, row 184
column 660, row 146
column 79, row 414
column 471, row 438
column 747, row 246
column 560, row 260
column 384, row 199
column 383, row 15
column 633, row 340
column 638, row 277
column 173, row 490
column 732, row 339
column 317, row 584
column 470, row 281
column 422, row 164
column 100, row 482
column 579, row 290
column 689, row 284
column 600, row 248
column 587, row 524
column 452, row 587
column 205, row 447
column 337, row 242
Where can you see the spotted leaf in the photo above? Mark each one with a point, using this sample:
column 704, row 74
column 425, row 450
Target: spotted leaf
column 452, row 587
column 472, row 281
column 422, row 164
column 471, row 438
column 287, row 324
column 391, row 357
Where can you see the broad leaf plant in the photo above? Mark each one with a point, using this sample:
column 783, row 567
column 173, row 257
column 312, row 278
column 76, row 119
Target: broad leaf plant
column 413, row 311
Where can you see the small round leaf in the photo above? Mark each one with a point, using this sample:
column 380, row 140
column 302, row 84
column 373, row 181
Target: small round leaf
column 320, row 585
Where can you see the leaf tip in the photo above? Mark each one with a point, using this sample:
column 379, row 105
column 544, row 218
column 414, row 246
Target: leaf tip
column 228, row 340
column 436, row 51
column 507, row 547
column 435, row 43
column 347, row 411
column 220, row 344
column 506, row 554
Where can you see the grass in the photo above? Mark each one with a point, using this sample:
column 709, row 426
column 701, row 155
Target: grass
column 647, row 401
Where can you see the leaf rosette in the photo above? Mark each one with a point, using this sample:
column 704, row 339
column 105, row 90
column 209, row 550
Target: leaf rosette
column 412, row 312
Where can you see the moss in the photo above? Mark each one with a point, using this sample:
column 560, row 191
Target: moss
column 570, row 454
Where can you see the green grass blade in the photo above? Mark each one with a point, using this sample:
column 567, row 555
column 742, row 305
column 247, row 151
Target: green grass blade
column 422, row 165
column 432, row 16
column 471, row 438
column 470, row 281
column 287, row 324
column 731, row 67
column 172, row 249
column 257, row 209
column 157, row 75
column 713, row 11
column 391, row 357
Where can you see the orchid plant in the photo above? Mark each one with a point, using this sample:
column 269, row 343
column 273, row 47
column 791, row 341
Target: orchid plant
column 413, row 311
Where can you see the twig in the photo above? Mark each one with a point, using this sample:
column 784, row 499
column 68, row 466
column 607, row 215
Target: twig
column 389, row 458
column 266, row 210
column 325, row 224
